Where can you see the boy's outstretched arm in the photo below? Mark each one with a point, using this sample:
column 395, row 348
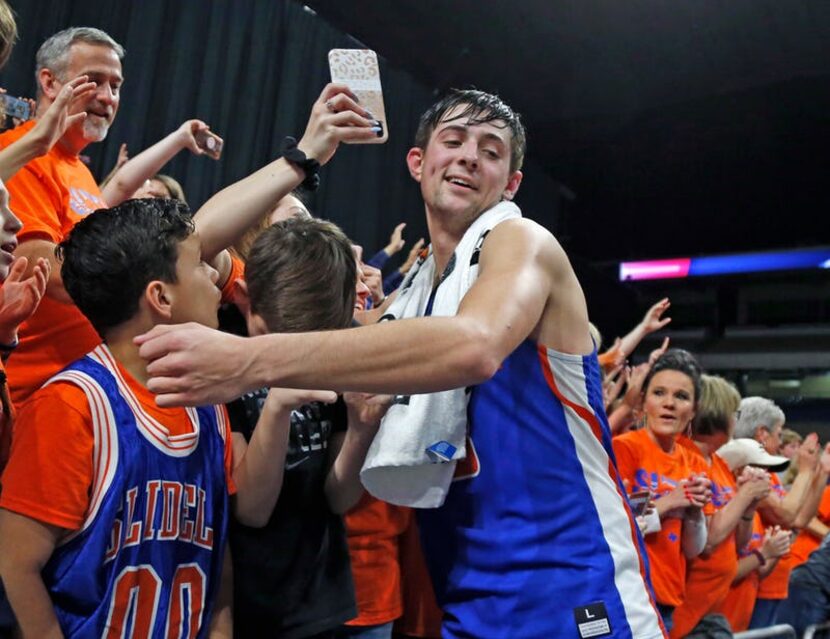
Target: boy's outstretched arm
column 25, row 546
column 146, row 164
column 223, row 219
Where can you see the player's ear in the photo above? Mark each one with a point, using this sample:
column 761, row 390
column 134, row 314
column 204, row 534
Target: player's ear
column 414, row 161
column 512, row 187
column 159, row 299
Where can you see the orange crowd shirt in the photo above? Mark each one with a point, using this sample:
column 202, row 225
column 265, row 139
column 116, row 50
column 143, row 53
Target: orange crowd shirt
column 373, row 530
column 739, row 603
column 49, row 195
column 58, row 418
column 806, row 542
column 708, row 578
column 775, row 585
column 646, row 466
column 421, row 615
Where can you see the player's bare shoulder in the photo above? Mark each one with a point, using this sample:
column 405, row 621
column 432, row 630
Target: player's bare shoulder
column 535, row 256
column 524, row 237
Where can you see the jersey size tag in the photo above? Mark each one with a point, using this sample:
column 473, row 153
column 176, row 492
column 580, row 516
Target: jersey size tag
column 592, row 620
column 441, row 451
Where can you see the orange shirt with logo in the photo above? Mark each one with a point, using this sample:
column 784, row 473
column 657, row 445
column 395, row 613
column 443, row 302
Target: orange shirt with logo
column 49, row 195
column 58, row 418
column 740, row 601
column 708, row 578
column 776, row 584
column 646, row 466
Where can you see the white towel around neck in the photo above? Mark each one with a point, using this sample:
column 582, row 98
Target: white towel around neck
column 412, row 458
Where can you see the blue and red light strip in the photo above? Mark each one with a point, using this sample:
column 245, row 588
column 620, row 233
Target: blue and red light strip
column 725, row 264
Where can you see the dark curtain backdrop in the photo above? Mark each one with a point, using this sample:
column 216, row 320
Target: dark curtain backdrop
column 251, row 69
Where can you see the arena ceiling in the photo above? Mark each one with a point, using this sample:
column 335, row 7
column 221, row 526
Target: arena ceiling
column 680, row 127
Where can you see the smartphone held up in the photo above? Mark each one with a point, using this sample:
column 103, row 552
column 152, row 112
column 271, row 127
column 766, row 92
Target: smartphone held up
column 210, row 143
column 358, row 69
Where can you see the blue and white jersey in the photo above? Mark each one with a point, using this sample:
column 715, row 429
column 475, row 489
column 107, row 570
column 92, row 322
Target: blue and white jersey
column 536, row 539
column 147, row 560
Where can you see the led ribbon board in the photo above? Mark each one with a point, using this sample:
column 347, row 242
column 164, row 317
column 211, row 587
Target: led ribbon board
column 725, row 264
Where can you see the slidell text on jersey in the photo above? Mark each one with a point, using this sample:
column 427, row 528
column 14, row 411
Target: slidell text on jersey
column 172, row 511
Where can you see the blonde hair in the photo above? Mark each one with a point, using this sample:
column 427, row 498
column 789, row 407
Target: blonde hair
column 172, row 185
column 595, row 335
column 242, row 247
column 8, row 32
column 789, row 436
column 719, row 399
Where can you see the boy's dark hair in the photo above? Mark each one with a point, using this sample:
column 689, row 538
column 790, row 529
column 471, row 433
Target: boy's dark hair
column 479, row 108
column 676, row 359
column 111, row 255
column 301, row 276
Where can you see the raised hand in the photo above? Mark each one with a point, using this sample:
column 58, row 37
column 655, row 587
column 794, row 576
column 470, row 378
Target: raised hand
column 19, row 298
column 633, row 397
column 335, row 117
column 188, row 133
column 808, row 453
column 396, row 241
column 123, row 156
column 653, row 319
column 412, row 257
column 373, row 278
column 658, row 352
column 613, row 384
column 55, row 122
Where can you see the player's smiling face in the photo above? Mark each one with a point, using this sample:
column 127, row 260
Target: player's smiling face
column 465, row 167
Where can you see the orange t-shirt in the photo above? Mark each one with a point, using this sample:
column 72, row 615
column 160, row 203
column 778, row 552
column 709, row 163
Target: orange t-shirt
column 740, row 601
column 373, row 529
column 421, row 615
column 806, row 542
column 55, row 488
column 776, row 584
column 708, row 578
column 647, row 467
column 49, row 195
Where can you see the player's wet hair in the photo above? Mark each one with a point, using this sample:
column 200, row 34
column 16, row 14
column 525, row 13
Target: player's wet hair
column 676, row 359
column 301, row 276
column 478, row 107
column 111, row 256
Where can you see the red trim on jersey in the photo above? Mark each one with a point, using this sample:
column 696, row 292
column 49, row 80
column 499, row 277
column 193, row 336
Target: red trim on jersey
column 590, row 418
